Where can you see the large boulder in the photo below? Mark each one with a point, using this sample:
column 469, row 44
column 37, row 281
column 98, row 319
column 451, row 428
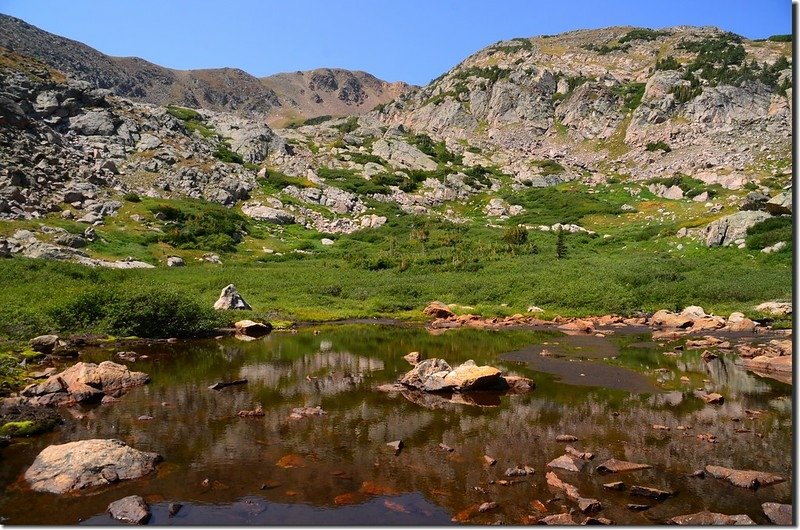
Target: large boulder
column 96, row 122
column 437, row 309
column 469, row 376
column 731, row 228
column 775, row 308
column 780, row 204
column 84, row 383
column 44, row 343
column 252, row 329
column 132, row 509
column 87, row 463
column 779, row 514
column 429, row 376
column 231, row 299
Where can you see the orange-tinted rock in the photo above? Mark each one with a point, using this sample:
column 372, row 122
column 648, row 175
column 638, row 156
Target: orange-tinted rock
column 437, row 309
column 744, row 478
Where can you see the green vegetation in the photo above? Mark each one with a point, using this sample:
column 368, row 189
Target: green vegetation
column 605, row 49
column 132, row 197
column 691, row 186
column 561, row 245
column 513, row 46
column 275, row 180
column 516, row 235
column 668, row 63
column 200, row 225
column 659, row 145
column 492, row 73
column 155, row 312
column 349, row 180
column 364, row 158
column 25, row 428
column 223, row 152
column 436, row 150
column 349, row 125
column 770, row 231
column 721, row 60
column 780, row 38
column 548, row 167
column 192, row 120
column 631, row 93
column 644, row 34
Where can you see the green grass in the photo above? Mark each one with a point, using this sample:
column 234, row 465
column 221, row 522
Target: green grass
column 770, row 231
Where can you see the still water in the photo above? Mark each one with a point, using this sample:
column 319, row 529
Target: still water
column 337, row 469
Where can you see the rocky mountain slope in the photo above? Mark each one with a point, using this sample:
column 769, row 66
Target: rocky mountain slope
column 281, row 97
column 680, row 128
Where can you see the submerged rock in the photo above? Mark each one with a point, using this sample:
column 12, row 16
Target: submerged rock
column 77, row 465
column 613, row 465
column 230, row 298
column 131, row 509
column 653, row 493
column 567, row 463
column 706, row 518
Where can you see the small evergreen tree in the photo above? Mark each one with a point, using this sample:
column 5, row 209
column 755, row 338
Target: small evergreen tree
column 561, row 245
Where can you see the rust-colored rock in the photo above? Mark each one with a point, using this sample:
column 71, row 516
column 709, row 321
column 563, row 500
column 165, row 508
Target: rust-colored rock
column 437, row 309
column 84, row 382
column 413, row 358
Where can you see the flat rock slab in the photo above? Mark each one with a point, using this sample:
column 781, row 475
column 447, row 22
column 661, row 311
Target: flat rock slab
column 558, row 520
column 705, row 518
column 613, row 465
column 251, row 328
column 130, row 509
column 653, row 493
column 77, row 465
column 780, row 514
column 567, row 462
column 744, row 478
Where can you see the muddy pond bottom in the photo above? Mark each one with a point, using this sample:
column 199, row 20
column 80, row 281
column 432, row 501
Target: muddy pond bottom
column 336, row 468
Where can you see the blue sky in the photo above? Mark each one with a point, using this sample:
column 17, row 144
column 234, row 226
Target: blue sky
column 408, row 40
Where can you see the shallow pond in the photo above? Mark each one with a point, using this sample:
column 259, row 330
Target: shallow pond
column 337, row 468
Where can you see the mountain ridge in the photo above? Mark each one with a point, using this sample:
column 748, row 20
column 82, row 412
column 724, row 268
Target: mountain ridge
column 220, row 89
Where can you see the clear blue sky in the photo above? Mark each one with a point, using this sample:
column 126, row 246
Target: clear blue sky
column 408, row 40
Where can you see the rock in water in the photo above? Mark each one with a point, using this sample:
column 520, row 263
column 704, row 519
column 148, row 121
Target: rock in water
column 706, row 518
column 130, row 509
column 428, row 376
column 780, row 514
column 77, row 465
column 469, row 376
column 231, row 299
column 567, row 462
column 413, row 358
column 744, row 478
column 612, row 465
column 253, row 329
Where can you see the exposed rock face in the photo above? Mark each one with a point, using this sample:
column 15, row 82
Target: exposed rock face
column 87, row 463
column 732, row 228
column 403, row 155
column 231, row 299
column 132, row 509
column 84, row 383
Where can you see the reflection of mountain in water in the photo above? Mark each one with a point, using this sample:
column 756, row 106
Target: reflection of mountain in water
column 324, row 372
column 725, row 374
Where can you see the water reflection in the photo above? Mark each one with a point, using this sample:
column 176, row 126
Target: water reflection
column 337, row 468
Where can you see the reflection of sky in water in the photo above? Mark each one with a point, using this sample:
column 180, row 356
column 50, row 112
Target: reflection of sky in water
column 201, row 437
